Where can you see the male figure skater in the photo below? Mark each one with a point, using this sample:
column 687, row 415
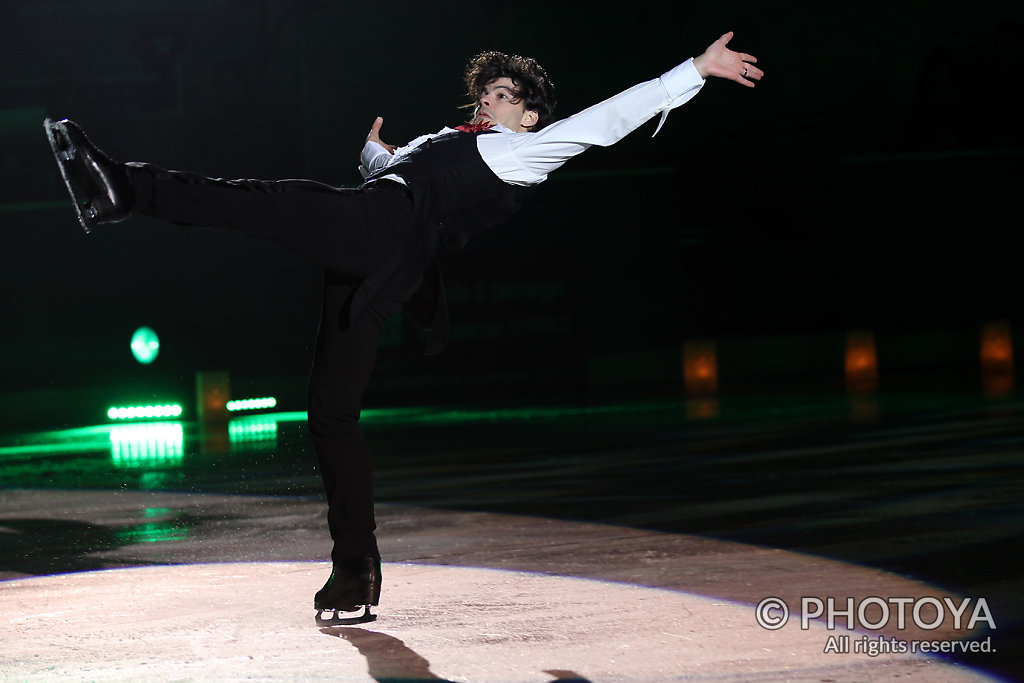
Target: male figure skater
column 377, row 243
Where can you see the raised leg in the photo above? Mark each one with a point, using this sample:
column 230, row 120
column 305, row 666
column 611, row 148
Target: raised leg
column 347, row 231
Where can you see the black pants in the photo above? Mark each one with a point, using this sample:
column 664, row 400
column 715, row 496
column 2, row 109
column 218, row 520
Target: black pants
column 347, row 232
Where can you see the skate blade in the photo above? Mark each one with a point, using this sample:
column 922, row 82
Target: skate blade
column 344, row 618
column 61, row 155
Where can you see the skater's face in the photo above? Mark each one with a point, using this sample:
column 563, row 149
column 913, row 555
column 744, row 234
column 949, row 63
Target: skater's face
column 498, row 104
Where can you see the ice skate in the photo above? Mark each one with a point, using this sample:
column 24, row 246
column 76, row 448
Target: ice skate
column 346, row 598
column 338, row 617
column 99, row 186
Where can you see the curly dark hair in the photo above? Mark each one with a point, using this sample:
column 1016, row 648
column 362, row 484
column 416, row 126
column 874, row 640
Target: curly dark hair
column 529, row 78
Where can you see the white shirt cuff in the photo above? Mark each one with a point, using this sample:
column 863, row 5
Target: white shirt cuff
column 370, row 157
column 681, row 84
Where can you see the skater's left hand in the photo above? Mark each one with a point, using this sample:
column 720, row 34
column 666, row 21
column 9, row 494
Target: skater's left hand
column 720, row 61
column 374, row 135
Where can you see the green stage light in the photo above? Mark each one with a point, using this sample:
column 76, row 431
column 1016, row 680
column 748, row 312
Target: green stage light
column 252, row 404
column 143, row 412
column 145, row 345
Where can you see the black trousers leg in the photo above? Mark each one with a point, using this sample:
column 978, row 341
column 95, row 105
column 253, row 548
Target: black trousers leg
column 347, row 231
column 342, row 366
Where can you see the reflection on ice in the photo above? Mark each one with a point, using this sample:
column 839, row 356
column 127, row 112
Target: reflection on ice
column 156, row 444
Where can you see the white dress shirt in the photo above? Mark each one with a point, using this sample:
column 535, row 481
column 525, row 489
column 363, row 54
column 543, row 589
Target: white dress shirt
column 528, row 158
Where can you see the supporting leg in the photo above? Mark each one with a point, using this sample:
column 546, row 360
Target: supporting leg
column 342, row 365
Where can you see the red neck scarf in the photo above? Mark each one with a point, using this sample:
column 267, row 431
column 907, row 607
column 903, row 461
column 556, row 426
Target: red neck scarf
column 474, row 127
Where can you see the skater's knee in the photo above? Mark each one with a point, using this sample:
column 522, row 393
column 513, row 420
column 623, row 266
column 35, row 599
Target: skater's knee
column 329, row 413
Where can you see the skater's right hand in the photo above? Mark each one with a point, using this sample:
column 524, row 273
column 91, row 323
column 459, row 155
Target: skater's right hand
column 374, row 135
column 720, row 61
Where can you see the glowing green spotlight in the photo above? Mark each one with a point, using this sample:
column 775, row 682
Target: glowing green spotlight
column 143, row 412
column 252, row 404
column 145, row 345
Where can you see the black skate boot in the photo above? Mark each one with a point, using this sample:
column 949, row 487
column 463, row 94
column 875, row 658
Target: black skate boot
column 353, row 588
column 98, row 185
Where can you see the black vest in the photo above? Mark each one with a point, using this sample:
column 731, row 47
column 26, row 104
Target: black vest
column 453, row 189
column 454, row 196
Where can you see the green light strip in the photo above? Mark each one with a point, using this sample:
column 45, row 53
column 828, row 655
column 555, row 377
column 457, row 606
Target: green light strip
column 58, row 448
column 79, row 439
column 440, row 415
column 252, row 404
column 143, row 412
column 87, row 439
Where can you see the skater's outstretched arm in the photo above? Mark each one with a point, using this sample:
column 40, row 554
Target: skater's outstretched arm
column 526, row 158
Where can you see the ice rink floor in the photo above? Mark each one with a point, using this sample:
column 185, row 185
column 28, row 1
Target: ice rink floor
column 592, row 543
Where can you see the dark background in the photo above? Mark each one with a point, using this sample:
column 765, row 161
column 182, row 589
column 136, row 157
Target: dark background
column 871, row 181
